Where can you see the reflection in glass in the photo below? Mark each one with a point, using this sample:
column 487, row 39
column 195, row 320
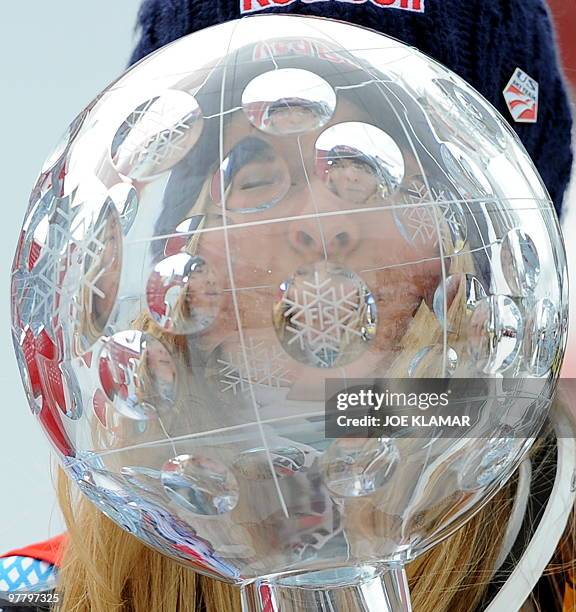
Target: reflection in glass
column 520, row 262
column 183, row 294
column 254, row 464
column 464, row 172
column 495, row 334
column 98, row 275
column 473, row 114
column 325, row 315
column 428, row 209
column 200, row 484
column 349, row 239
column 254, row 177
column 125, row 198
column 157, row 135
column 137, row 373
column 73, row 407
column 358, row 162
column 183, row 235
column 471, row 288
column 25, row 361
column 427, row 363
column 487, row 459
column 359, row 467
column 542, row 337
column 288, row 101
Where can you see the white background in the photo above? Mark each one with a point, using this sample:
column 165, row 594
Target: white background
column 54, row 58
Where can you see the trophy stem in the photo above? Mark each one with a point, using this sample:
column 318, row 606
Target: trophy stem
column 362, row 589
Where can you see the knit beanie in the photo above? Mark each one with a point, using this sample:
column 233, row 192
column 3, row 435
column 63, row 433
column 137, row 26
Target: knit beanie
column 483, row 41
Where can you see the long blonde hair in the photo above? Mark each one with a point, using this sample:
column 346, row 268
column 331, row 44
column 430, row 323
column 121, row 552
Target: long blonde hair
column 106, row 569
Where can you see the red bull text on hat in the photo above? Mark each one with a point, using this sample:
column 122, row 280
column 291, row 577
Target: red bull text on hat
column 253, row 6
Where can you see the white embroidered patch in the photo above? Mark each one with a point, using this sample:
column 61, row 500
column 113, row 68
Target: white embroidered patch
column 521, row 95
column 253, row 6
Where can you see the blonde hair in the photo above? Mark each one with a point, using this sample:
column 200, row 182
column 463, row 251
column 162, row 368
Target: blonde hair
column 106, row 569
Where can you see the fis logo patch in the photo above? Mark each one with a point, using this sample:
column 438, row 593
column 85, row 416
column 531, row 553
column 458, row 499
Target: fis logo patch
column 253, row 6
column 521, row 95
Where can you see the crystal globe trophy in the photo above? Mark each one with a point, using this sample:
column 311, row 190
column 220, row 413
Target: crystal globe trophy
column 238, row 219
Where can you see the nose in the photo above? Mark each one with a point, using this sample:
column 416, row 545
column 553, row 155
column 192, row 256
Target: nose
column 324, row 236
column 352, row 174
column 332, row 234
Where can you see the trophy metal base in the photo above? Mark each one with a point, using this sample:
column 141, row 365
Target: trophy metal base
column 359, row 589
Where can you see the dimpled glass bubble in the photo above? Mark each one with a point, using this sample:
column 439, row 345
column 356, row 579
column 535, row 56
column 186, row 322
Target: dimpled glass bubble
column 248, row 212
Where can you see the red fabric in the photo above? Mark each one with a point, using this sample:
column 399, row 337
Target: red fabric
column 565, row 17
column 50, row 551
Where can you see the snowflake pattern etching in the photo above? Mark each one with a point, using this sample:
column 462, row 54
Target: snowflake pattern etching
column 155, row 133
column 321, row 316
column 39, row 288
column 267, row 368
column 420, row 221
column 50, row 293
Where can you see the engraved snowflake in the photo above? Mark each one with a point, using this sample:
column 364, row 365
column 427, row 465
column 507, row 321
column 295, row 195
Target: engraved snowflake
column 421, row 221
column 157, row 132
column 266, row 368
column 321, row 316
column 71, row 244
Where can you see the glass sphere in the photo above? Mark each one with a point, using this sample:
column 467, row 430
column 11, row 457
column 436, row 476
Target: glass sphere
column 219, row 233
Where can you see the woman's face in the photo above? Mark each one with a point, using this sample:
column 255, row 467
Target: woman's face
column 292, row 118
column 352, row 181
column 202, row 291
column 105, row 270
column 257, row 180
column 285, row 210
column 160, row 362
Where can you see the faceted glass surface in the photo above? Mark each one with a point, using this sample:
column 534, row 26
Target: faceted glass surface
column 220, row 232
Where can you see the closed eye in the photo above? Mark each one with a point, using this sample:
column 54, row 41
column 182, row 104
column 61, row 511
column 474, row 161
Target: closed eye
column 257, row 183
